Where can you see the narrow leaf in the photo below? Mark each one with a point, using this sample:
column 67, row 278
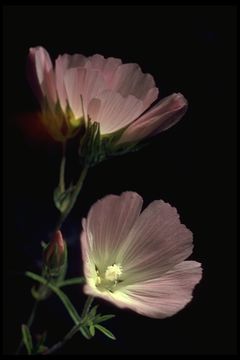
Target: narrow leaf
column 103, row 318
column 84, row 332
column 27, row 339
column 105, row 331
column 92, row 329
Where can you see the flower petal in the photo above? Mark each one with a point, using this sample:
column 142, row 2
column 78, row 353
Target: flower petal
column 108, row 223
column 74, row 81
column 157, row 298
column 61, row 66
column 115, row 111
column 82, row 82
column 162, row 116
column 157, row 242
column 130, row 80
column 41, row 73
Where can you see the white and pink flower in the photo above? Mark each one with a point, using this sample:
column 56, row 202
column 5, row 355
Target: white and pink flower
column 136, row 259
column 113, row 94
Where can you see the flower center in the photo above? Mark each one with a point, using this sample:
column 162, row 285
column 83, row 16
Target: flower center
column 109, row 279
column 113, row 272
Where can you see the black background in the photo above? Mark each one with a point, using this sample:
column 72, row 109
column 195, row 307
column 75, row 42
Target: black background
column 188, row 49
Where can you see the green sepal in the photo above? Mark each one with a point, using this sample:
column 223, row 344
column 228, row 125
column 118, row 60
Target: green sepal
column 90, row 148
column 56, row 267
column 95, row 148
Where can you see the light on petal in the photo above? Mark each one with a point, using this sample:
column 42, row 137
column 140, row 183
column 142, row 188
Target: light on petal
column 137, row 260
column 104, row 90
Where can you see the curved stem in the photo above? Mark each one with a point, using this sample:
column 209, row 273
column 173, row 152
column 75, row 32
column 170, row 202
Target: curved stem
column 74, row 197
column 29, row 323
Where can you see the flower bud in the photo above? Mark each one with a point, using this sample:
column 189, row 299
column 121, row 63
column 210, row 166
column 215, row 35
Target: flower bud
column 54, row 255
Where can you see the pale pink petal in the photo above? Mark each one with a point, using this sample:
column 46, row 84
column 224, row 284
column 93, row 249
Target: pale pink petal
column 74, row 81
column 115, row 111
column 157, row 298
column 150, row 97
column 109, row 69
column 108, row 223
column 129, row 79
column 107, row 66
column 93, row 86
column 93, row 109
column 76, row 60
column 97, row 61
column 157, row 242
column 162, row 116
column 41, row 73
column 49, row 88
column 61, row 66
column 64, row 62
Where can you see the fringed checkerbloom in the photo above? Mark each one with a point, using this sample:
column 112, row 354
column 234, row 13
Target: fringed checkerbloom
column 113, row 94
column 136, row 259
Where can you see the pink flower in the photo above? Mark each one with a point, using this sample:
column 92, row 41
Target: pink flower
column 136, row 259
column 111, row 93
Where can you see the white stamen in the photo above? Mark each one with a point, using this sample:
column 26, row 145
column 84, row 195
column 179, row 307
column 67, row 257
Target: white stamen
column 113, row 272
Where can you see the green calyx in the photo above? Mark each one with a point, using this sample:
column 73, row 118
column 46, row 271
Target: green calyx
column 95, row 147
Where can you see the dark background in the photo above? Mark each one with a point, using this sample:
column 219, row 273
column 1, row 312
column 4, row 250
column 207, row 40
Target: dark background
column 188, row 49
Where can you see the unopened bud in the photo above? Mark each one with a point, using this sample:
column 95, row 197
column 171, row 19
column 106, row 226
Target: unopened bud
column 54, row 255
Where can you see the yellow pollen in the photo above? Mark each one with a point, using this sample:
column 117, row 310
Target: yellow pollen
column 113, row 272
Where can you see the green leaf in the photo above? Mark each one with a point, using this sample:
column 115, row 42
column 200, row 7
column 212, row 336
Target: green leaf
column 27, row 339
column 92, row 329
column 105, row 331
column 72, row 281
column 93, row 311
column 84, row 332
column 103, row 318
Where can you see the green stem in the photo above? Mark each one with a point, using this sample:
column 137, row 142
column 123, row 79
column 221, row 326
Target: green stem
column 74, row 197
column 59, row 344
column 29, row 323
column 62, row 168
